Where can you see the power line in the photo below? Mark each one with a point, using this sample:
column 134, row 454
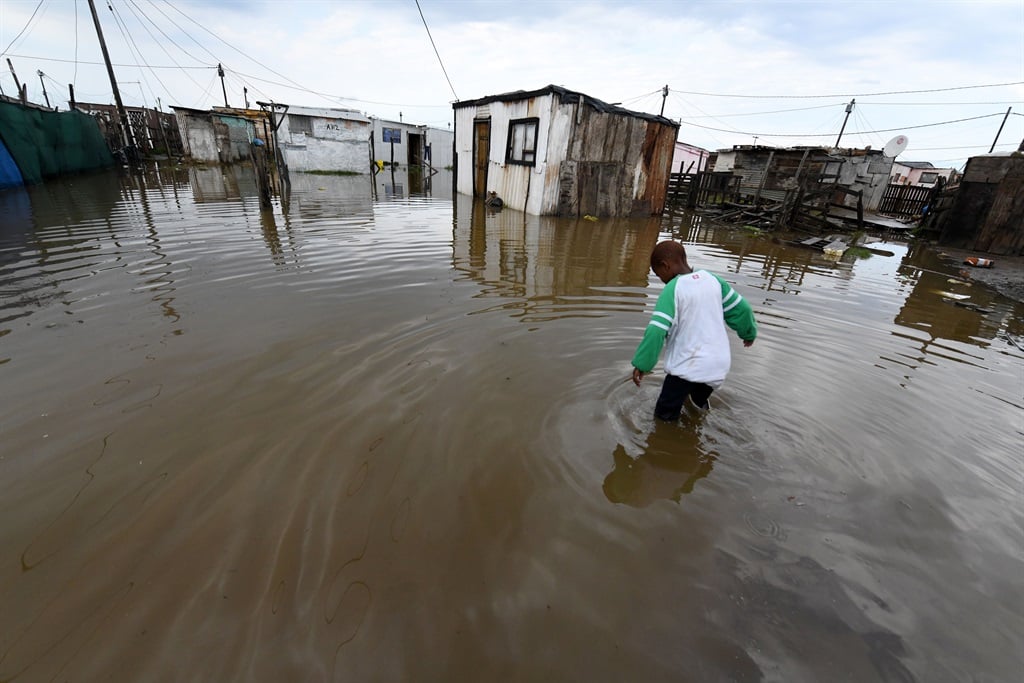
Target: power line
column 249, row 57
column 435, row 50
column 339, row 97
column 27, row 24
column 869, row 94
column 146, row 28
column 863, row 132
column 776, row 111
column 73, row 61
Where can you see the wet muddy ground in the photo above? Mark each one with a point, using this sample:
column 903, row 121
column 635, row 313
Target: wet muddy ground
column 377, row 434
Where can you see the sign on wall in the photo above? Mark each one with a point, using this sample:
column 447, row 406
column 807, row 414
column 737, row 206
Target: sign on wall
column 392, row 135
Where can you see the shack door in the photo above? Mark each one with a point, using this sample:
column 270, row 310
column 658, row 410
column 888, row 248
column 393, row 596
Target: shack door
column 481, row 152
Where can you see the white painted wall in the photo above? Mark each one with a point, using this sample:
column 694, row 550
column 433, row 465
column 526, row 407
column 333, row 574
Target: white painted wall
column 533, row 189
column 339, row 141
column 684, row 155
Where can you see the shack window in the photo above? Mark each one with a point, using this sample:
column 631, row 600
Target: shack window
column 522, row 142
column 929, row 178
column 300, row 124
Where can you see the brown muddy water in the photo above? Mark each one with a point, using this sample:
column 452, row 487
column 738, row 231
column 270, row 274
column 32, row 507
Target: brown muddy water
column 388, row 437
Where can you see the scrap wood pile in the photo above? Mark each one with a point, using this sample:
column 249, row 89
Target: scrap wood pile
column 802, row 210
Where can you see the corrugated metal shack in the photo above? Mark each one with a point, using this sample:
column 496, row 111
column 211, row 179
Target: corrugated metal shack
column 213, row 137
column 554, row 151
column 411, row 144
column 986, row 212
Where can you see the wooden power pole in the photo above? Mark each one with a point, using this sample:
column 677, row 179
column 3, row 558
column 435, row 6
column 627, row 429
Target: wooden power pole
column 849, row 109
column 126, row 129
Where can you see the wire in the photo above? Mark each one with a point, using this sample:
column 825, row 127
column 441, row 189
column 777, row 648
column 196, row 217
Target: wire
column 775, row 111
column 930, row 149
column 27, row 24
column 863, row 132
column 132, row 47
column 338, row 97
column 435, row 51
column 72, row 61
column 136, row 15
column 252, row 59
column 869, row 94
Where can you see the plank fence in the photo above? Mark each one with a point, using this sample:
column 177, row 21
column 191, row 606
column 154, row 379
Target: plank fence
column 906, row 200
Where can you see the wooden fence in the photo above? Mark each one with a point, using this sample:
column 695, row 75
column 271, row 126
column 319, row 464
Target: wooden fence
column 906, row 200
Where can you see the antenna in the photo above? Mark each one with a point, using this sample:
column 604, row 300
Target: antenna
column 895, row 147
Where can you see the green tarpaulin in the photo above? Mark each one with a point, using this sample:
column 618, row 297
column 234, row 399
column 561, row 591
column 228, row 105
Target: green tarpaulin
column 48, row 143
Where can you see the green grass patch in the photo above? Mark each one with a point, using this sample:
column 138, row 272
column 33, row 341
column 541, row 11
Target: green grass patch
column 333, row 172
column 858, row 252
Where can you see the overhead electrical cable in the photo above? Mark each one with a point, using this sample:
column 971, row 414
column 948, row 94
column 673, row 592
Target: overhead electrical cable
column 774, row 111
column 869, row 94
column 137, row 53
column 72, row 61
column 864, row 132
column 25, row 28
column 131, row 4
column 338, row 97
column 186, row 34
column 439, row 60
column 244, row 54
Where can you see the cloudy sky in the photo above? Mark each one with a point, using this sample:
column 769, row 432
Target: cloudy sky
column 782, row 71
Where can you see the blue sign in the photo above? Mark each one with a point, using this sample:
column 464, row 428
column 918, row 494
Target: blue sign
column 392, row 135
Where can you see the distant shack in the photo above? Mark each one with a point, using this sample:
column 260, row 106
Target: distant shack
column 554, row 151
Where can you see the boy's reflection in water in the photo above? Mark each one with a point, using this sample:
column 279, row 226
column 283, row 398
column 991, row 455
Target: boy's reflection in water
column 672, row 462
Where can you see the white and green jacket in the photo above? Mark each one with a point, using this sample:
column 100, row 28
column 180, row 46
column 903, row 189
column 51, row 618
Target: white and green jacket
column 691, row 315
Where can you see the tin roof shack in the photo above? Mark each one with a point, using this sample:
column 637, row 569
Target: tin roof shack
column 557, row 152
column 861, row 170
column 325, row 139
column 259, row 117
column 410, row 144
column 919, row 173
column 987, row 212
column 769, row 172
column 213, row 137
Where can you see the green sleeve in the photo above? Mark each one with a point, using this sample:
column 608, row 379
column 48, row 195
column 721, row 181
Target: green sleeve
column 739, row 316
column 646, row 356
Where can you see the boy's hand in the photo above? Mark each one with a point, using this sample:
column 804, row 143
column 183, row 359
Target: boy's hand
column 748, row 342
column 637, row 376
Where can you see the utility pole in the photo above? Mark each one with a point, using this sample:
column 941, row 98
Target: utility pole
column 45, row 96
column 220, row 72
column 664, row 96
column 245, row 96
column 849, row 108
column 1000, row 130
column 17, row 83
column 127, row 133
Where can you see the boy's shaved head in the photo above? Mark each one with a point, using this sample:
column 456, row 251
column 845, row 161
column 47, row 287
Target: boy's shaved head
column 668, row 252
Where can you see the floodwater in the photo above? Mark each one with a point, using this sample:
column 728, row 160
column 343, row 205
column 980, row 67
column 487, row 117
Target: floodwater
column 378, row 435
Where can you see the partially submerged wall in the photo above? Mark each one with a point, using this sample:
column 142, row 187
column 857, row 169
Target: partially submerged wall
column 44, row 144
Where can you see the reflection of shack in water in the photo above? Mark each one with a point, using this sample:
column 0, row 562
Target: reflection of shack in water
column 783, row 268
column 412, row 181
column 553, row 266
column 945, row 307
column 221, row 183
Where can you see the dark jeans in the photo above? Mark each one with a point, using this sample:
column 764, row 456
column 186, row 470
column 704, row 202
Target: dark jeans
column 673, row 395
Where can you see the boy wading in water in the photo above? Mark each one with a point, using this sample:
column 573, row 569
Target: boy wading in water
column 690, row 319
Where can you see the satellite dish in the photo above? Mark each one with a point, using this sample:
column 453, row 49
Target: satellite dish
column 895, row 147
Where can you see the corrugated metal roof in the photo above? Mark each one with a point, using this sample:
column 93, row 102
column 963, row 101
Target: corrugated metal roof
column 565, row 96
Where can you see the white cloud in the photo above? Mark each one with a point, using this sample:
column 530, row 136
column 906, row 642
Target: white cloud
column 379, row 54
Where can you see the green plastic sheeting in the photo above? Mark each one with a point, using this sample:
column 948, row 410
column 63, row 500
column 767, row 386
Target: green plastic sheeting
column 47, row 143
